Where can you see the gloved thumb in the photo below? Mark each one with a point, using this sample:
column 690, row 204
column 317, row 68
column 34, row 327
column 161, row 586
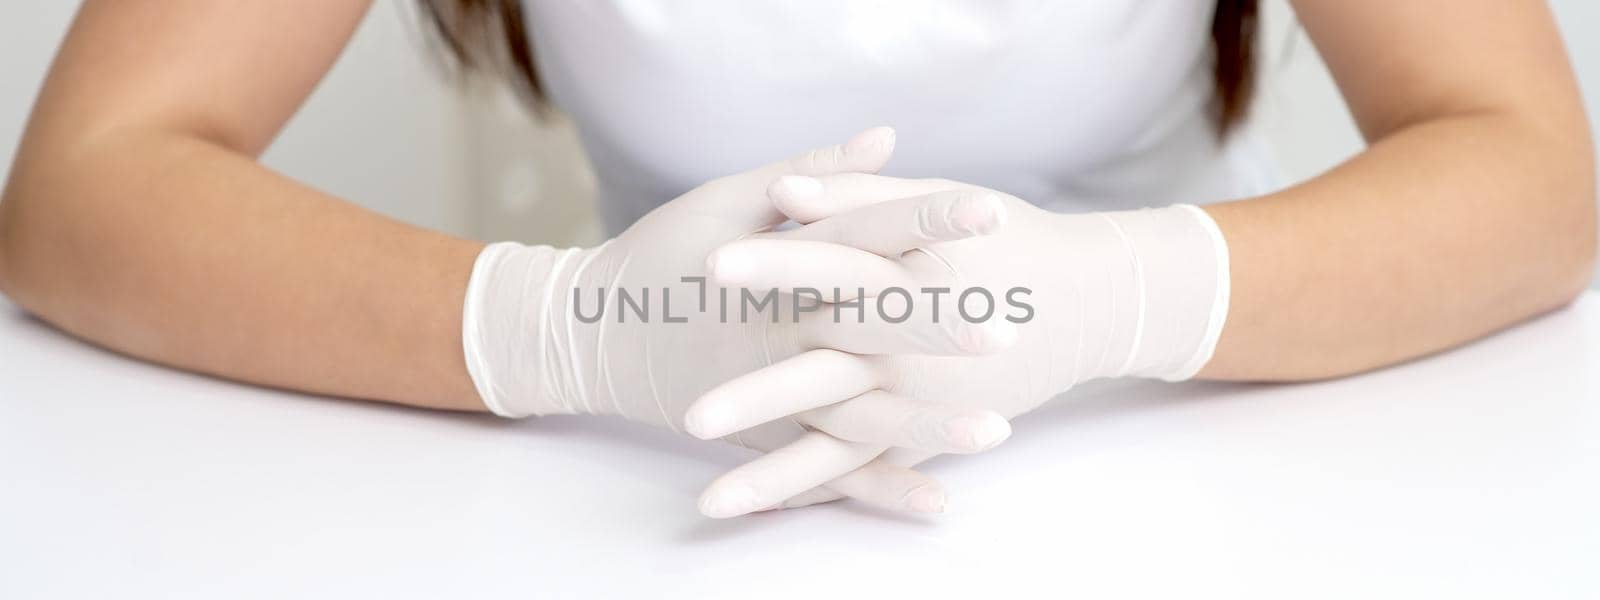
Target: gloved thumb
column 743, row 197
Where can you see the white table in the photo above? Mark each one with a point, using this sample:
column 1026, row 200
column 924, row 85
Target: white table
column 1471, row 474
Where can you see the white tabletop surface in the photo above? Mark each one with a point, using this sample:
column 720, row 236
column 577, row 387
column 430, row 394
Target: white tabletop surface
column 1471, row 474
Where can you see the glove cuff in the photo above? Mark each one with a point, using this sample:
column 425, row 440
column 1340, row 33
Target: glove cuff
column 1220, row 296
column 1180, row 285
column 511, row 341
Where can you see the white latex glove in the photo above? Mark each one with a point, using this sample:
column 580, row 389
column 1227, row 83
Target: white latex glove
column 530, row 351
column 1120, row 294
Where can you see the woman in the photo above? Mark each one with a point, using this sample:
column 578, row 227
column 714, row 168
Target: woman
column 138, row 218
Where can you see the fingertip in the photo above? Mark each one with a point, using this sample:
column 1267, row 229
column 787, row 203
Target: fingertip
column 728, row 499
column 795, row 195
column 727, row 263
column 795, row 187
column 706, row 423
column 926, row 498
column 991, row 431
column 988, row 337
column 881, row 137
column 873, row 147
column 977, row 431
column 979, row 214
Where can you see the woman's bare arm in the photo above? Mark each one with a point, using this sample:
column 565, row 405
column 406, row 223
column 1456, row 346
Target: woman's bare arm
column 1473, row 208
column 138, row 218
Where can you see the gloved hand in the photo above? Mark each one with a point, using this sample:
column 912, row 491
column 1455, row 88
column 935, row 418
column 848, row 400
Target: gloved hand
column 1120, row 294
column 625, row 329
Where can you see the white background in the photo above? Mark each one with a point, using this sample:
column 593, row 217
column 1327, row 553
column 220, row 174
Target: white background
column 387, row 131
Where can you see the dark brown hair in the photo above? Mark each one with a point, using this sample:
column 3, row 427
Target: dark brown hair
column 491, row 35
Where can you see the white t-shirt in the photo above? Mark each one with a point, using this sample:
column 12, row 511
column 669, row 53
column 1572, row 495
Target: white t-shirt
column 1073, row 105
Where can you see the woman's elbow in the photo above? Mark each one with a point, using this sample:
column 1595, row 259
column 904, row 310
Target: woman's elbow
column 1580, row 260
column 17, row 236
column 6, row 236
column 1577, row 255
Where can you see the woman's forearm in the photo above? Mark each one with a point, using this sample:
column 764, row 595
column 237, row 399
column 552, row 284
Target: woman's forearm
column 172, row 249
column 1438, row 234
